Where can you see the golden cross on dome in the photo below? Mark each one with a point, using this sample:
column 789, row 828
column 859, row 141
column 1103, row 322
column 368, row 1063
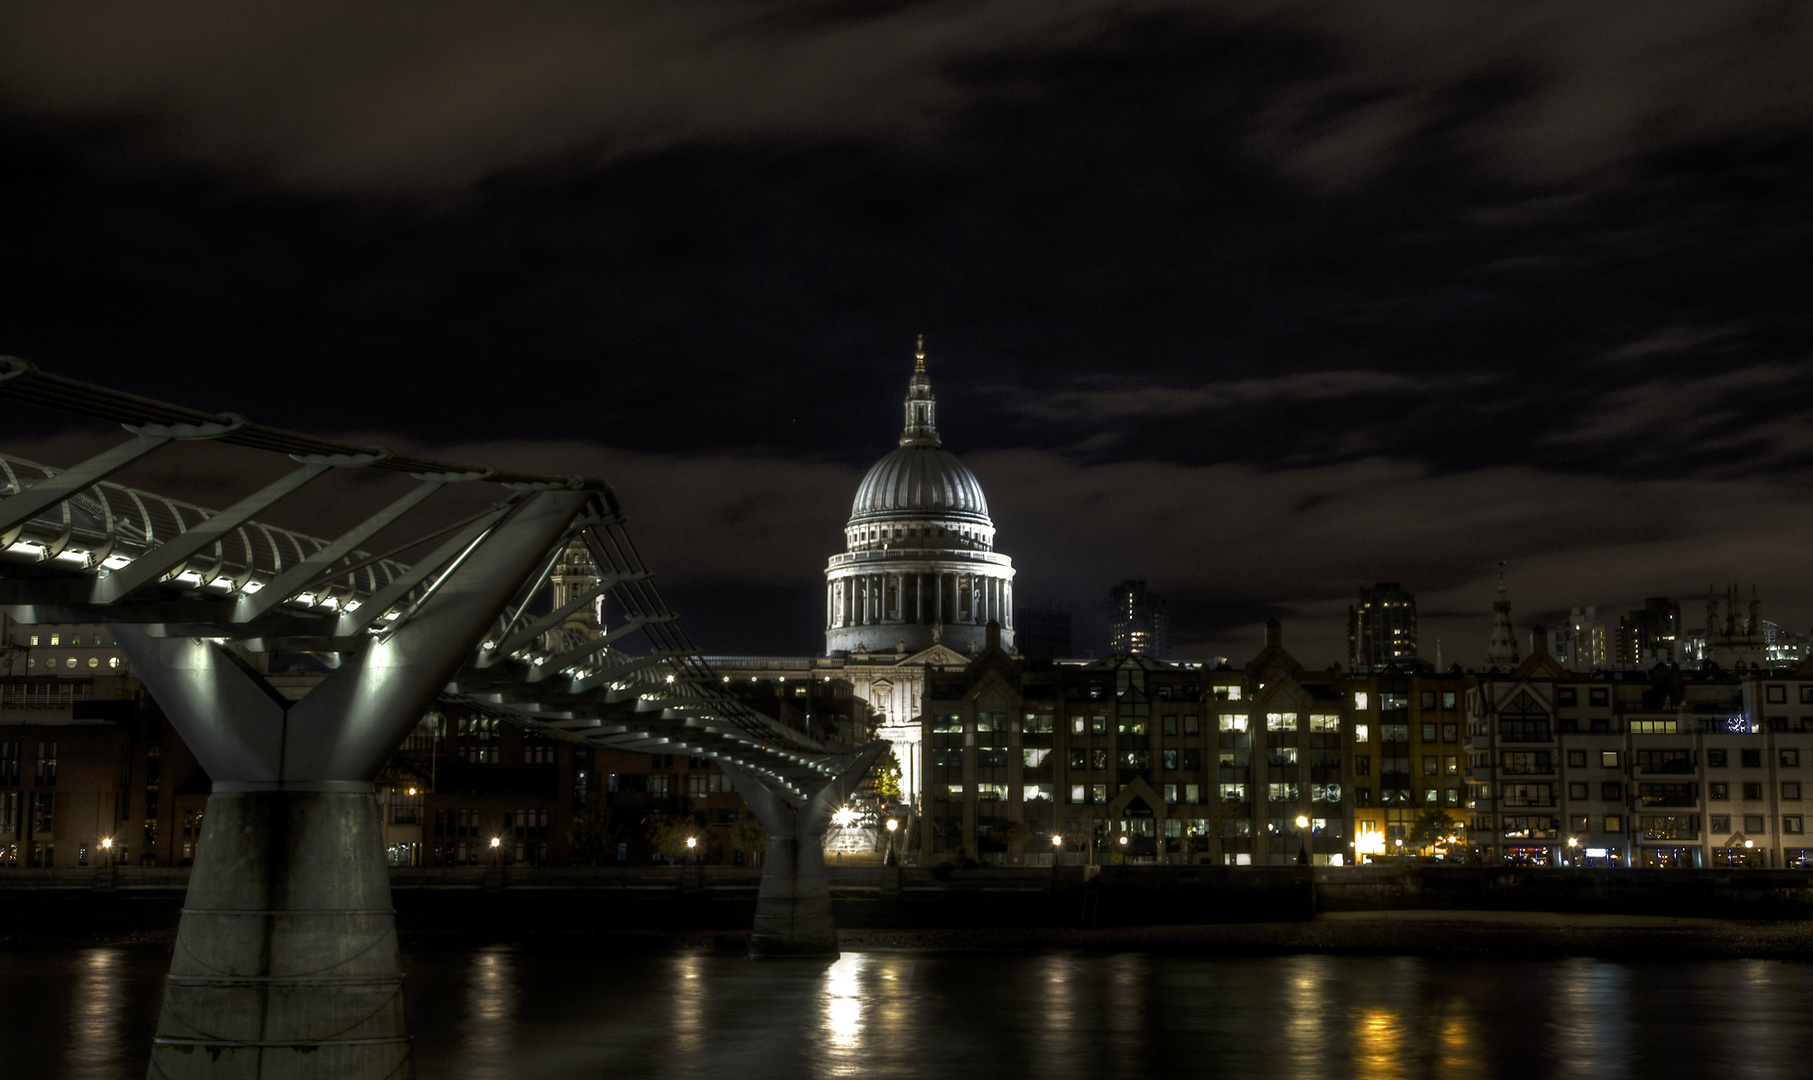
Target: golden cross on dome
column 919, row 355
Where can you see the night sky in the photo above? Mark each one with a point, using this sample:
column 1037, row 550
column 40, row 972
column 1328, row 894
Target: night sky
column 1259, row 302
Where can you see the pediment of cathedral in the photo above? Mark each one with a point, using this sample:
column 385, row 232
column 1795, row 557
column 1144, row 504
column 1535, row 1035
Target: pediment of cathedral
column 938, row 656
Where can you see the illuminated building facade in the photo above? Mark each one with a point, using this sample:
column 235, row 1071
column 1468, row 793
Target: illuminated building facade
column 1409, row 757
column 1132, row 759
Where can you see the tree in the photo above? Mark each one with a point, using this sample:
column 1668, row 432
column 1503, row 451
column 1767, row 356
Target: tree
column 1431, row 827
column 593, row 837
column 748, row 836
column 886, row 776
column 668, row 833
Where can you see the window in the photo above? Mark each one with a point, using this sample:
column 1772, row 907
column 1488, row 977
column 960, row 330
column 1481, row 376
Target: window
column 1192, row 759
column 47, row 764
column 1791, row 823
column 1669, row 794
column 1034, row 757
column 1598, row 695
column 1079, row 759
column 1098, row 760
column 1233, row 793
column 1776, row 695
column 1362, row 797
column 1791, row 792
column 1527, row 794
column 1192, row 724
column 1281, row 792
column 1035, row 793
column 1394, row 732
column 1078, row 794
column 991, row 721
column 1170, row 725
column 947, row 724
column 1577, row 824
column 1448, row 700
column 1360, row 734
column 1324, row 722
column 1098, row 793
column 1079, row 725
column 1362, row 766
column 1170, row 761
column 1611, row 791
column 1285, row 721
column 1428, row 732
column 1665, row 761
column 1753, row 792
column 1037, row 723
column 1431, row 765
column 1524, row 762
column 1718, row 792
column 1715, row 759
column 1751, row 759
column 1755, row 823
column 1719, row 823
column 43, row 807
column 1451, row 765
column 1171, row 797
column 1233, row 722
column 1192, row 793
column 1359, row 699
column 1614, row 823
column 1428, row 699
column 1576, row 791
column 660, row 784
column 1325, row 793
column 1576, row 759
column 1566, row 696
column 1654, row 727
column 1451, row 733
column 1806, row 695
column 1790, row 759
column 1608, row 759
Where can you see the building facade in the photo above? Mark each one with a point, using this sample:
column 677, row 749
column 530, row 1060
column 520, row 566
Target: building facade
column 1666, row 768
column 1132, row 759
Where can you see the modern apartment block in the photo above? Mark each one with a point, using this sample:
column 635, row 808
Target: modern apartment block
column 1134, row 759
column 1664, row 768
column 1409, row 757
column 1381, row 628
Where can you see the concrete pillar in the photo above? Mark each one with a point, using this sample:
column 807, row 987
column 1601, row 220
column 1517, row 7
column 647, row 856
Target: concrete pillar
column 286, row 957
column 793, row 908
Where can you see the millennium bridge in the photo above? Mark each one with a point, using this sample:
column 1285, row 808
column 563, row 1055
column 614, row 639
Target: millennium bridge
column 285, row 962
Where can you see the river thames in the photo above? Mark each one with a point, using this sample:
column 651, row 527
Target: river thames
column 497, row 1012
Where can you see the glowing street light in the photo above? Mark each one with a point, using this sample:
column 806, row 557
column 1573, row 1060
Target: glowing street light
column 893, row 824
column 1057, row 841
column 692, row 842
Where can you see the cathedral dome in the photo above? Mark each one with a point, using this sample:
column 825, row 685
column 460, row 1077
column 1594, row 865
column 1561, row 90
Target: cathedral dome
column 919, row 480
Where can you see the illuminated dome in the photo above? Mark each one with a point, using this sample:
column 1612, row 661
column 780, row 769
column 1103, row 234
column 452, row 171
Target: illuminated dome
column 917, row 480
column 919, row 565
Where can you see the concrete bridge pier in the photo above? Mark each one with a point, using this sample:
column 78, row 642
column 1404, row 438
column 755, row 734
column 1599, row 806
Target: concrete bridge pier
column 793, row 907
column 285, row 963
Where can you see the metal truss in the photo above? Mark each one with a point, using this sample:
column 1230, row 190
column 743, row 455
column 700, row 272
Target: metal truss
column 181, row 583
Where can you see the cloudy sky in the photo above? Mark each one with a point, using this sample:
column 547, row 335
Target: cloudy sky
column 1260, row 302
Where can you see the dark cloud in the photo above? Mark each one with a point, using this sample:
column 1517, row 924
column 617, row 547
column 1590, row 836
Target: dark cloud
column 1261, row 302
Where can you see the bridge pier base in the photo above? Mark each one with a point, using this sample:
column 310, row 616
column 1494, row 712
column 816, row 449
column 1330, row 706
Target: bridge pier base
column 793, row 908
column 285, row 963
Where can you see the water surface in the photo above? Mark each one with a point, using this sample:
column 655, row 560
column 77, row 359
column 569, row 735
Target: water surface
column 490, row 1013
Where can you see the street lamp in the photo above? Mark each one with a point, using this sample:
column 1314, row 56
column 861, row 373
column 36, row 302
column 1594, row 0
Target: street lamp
column 1302, row 840
column 1572, row 843
column 497, row 851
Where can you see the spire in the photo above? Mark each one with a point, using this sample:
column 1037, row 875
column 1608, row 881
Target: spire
column 921, row 407
column 1501, row 647
column 1756, row 614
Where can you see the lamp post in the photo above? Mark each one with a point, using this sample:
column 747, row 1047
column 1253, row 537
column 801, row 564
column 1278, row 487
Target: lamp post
column 1573, row 844
column 893, row 827
column 497, row 852
column 692, row 850
column 1302, row 840
column 107, row 846
column 1057, row 851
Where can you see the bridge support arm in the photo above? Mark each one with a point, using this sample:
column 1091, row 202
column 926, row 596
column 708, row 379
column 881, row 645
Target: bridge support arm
column 793, row 909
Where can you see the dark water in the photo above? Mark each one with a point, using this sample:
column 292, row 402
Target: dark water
column 508, row 1012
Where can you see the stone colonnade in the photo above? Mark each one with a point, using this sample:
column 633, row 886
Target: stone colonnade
column 952, row 597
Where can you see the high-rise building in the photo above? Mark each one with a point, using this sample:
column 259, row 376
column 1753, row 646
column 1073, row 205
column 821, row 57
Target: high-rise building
column 1646, row 637
column 1580, row 645
column 1501, row 647
column 1044, row 632
column 1138, row 623
column 1381, row 628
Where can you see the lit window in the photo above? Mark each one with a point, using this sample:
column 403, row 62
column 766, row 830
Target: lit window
column 1359, row 699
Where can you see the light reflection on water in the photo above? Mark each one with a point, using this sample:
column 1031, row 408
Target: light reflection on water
column 494, row 1013
column 96, row 1018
